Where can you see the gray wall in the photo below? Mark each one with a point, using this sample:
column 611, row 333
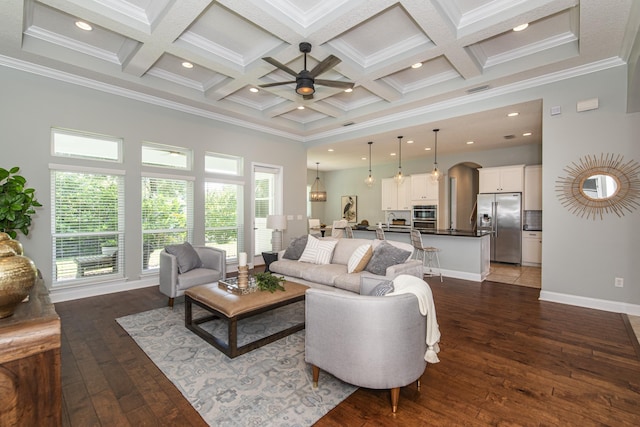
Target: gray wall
column 30, row 105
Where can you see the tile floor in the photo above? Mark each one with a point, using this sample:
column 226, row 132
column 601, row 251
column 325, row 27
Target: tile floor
column 515, row 275
column 635, row 324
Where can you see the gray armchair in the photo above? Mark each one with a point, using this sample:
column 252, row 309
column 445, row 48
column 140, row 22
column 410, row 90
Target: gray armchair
column 368, row 341
column 173, row 284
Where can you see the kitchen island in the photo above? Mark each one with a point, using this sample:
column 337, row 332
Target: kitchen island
column 463, row 254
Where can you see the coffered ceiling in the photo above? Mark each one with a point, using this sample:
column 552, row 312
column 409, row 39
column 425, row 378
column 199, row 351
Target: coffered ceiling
column 466, row 48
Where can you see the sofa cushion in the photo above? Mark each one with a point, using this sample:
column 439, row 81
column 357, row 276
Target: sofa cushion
column 288, row 267
column 382, row 289
column 345, row 248
column 385, row 255
column 318, row 251
column 324, row 274
column 296, row 247
column 186, row 257
column 359, row 258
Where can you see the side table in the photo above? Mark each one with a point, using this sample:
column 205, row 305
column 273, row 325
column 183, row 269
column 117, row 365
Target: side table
column 269, row 257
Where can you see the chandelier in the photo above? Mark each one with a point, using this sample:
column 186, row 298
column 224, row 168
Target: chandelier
column 317, row 194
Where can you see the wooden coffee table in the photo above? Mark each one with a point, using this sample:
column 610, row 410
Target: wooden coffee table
column 233, row 307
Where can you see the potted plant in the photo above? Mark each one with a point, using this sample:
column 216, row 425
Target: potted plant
column 109, row 247
column 269, row 282
column 17, row 203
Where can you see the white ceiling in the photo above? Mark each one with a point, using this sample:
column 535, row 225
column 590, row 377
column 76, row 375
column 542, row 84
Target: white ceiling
column 137, row 46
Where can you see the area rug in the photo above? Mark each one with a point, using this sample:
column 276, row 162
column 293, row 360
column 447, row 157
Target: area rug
column 269, row 386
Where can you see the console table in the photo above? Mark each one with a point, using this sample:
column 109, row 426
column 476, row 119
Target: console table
column 30, row 363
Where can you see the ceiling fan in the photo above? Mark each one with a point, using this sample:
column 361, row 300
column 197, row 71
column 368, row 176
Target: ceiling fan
column 306, row 79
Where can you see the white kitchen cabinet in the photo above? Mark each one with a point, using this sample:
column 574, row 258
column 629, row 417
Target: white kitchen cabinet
column 532, row 247
column 533, row 188
column 396, row 197
column 503, row 179
column 423, row 189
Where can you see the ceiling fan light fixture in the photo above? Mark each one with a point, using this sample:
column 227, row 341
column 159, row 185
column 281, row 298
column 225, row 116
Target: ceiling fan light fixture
column 305, row 87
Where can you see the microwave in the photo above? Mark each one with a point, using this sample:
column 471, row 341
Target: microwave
column 425, row 212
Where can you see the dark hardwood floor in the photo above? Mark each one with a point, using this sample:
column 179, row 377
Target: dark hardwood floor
column 506, row 359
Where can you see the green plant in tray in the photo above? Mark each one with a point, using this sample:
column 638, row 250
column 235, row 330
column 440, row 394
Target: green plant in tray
column 269, row 282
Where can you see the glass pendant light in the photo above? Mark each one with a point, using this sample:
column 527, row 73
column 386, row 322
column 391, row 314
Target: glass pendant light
column 317, row 194
column 399, row 177
column 436, row 174
column 369, row 180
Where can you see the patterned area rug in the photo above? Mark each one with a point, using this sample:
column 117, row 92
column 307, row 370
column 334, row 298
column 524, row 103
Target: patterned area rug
column 269, row 386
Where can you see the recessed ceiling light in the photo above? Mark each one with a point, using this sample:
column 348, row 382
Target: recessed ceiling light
column 513, row 114
column 254, row 90
column 349, row 90
column 393, row 154
column 187, row 64
column 417, row 65
column 520, row 27
column 526, row 134
column 469, row 142
column 300, row 107
column 427, row 149
column 330, row 150
column 410, row 141
column 363, row 158
column 84, row 26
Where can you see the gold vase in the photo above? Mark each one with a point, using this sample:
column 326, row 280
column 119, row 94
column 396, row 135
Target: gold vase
column 17, row 276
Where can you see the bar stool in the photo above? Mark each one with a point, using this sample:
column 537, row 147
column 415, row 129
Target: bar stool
column 429, row 251
column 348, row 231
column 379, row 233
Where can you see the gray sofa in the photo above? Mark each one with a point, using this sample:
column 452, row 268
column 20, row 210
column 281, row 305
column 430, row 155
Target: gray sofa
column 334, row 276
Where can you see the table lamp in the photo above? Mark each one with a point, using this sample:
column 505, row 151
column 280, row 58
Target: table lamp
column 277, row 223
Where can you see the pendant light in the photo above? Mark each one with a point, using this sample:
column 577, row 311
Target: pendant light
column 369, row 180
column 436, row 174
column 317, row 194
column 399, row 178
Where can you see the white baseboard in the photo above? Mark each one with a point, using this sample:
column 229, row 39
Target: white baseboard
column 96, row 289
column 598, row 304
column 464, row 275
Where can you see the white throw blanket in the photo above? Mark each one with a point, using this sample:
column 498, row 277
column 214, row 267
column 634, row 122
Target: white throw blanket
column 406, row 284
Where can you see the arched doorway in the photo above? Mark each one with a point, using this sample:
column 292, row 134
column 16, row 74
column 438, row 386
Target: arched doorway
column 461, row 190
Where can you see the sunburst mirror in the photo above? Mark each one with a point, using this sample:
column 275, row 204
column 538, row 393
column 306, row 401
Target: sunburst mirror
column 595, row 186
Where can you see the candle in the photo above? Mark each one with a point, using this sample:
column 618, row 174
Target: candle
column 242, row 259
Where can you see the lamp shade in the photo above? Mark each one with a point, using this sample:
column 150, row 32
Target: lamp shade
column 276, row 222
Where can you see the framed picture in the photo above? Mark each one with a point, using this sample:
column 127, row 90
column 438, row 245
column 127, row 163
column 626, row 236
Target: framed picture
column 349, row 207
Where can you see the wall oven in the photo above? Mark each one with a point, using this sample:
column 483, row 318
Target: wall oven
column 424, row 217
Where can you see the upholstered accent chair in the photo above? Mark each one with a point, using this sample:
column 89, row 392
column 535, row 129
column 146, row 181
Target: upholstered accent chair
column 375, row 342
column 182, row 269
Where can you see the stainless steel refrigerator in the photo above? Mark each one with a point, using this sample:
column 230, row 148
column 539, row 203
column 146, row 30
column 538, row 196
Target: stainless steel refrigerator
column 501, row 214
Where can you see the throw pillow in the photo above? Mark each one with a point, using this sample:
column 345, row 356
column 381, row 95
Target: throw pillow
column 296, row 247
column 358, row 261
column 382, row 289
column 384, row 256
column 318, row 251
column 186, row 257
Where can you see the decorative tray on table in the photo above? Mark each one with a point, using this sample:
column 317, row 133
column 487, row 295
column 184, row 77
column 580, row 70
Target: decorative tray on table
column 230, row 284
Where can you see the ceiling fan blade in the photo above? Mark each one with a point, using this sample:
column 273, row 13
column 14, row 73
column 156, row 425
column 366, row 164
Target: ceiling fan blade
column 276, row 84
column 334, row 83
column 328, row 63
column 283, row 67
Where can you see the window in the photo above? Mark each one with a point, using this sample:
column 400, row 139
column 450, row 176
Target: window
column 224, row 215
column 223, row 164
column 166, row 156
column 87, row 218
column 67, row 143
column 267, row 195
column 167, row 215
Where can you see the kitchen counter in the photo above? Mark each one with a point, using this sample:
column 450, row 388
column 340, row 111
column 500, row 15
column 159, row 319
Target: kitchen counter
column 407, row 230
column 463, row 254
